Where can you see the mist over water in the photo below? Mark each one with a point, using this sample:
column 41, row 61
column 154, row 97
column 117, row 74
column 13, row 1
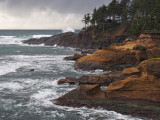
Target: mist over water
column 26, row 95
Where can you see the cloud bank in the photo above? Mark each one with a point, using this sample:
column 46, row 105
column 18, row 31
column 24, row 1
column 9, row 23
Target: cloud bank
column 45, row 14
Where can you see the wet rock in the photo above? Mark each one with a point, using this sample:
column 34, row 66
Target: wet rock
column 84, row 40
column 63, row 39
column 69, row 80
column 75, row 57
column 104, row 79
column 32, row 70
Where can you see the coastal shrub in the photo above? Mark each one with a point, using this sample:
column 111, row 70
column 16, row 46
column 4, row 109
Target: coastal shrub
column 157, row 110
column 140, row 47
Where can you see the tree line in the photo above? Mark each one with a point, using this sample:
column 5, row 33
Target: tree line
column 141, row 15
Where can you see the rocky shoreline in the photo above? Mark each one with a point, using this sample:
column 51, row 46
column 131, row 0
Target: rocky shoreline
column 82, row 40
column 133, row 86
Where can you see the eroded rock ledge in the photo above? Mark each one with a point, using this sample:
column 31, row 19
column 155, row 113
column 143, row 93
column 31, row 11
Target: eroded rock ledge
column 136, row 91
column 138, row 94
column 127, row 55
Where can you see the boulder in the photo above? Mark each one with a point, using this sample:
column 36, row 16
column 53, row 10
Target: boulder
column 32, row 70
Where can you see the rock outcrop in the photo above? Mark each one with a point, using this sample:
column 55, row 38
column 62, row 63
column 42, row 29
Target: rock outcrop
column 106, row 59
column 63, row 39
column 137, row 94
column 84, row 39
column 134, row 90
column 142, row 82
column 104, row 79
column 143, row 86
column 130, row 54
column 75, row 57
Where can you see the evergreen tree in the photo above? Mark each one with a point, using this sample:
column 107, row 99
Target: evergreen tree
column 143, row 15
column 85, row 20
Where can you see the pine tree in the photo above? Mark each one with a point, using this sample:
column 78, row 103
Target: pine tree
column 85, row 20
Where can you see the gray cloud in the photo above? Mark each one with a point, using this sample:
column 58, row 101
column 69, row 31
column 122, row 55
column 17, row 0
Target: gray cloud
column 60, row 6
column 58, row 13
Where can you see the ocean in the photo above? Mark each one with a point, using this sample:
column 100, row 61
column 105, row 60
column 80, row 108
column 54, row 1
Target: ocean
column 26, row 95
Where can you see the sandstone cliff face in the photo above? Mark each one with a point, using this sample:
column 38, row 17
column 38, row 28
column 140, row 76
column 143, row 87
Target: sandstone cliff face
column 143, row 86
column 142, row 82
column 104, row 59
column 138, row 93
column 122, row 56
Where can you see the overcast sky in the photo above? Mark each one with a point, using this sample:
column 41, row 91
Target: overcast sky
column 45, row 14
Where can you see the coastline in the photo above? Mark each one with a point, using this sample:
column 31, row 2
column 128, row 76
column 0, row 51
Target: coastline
column 138, row 106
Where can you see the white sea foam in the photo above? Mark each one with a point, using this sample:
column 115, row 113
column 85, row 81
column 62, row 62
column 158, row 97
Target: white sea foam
column 40, row 36
column 55, row 45
column 8, row 67
column 10, row 40
column 7, row 37
column 92, row 114
column 68, row 29
column 11, row 86
column 42, row 98
column 16, row 40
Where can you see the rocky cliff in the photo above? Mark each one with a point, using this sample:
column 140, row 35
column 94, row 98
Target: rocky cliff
column 138, row 94
column 84, row 39
column 129, row 54
column 131, row 90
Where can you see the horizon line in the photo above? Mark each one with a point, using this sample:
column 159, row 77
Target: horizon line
column 36, row 29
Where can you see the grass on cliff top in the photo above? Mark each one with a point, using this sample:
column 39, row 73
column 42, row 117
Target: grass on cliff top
column 154, row 59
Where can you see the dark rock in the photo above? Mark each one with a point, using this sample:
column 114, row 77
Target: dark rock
column 83, row 39
column 104, row 79
column 69, row 80
column 32, row 70
column 64, row 39
column 75, row 57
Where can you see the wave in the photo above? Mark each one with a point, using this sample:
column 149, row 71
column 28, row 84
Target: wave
column 43, row 97
column 7, row 37
column 13, row 86
column 10, row 40
column 9, row 67
column 69, row 29
column 40, row 36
